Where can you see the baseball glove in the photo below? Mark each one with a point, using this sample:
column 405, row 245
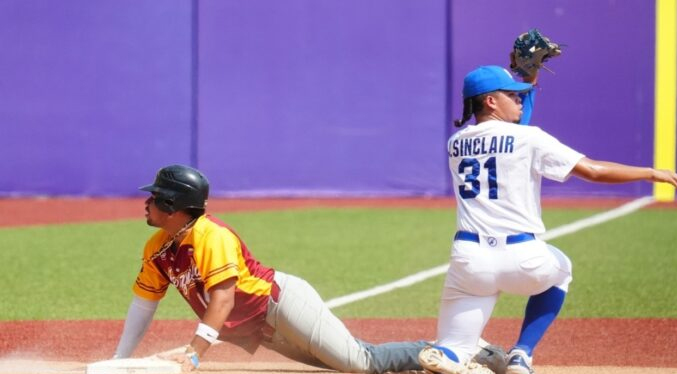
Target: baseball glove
column 530, row 51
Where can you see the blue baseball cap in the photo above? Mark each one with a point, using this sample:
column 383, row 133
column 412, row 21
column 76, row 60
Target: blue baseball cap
column 491, row 78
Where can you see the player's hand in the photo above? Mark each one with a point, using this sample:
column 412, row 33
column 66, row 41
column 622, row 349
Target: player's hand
column 531, row 79
column 188, row 360
column 665, row 176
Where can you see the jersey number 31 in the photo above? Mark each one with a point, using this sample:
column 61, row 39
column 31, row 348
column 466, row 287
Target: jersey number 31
column 471, row 178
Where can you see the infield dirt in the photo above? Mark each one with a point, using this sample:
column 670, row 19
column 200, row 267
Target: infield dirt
column 583, row 345
column 46, row 367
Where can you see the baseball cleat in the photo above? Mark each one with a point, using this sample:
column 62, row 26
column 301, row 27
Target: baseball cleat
column 493, row 357
column 434, row 361
column 519, row 362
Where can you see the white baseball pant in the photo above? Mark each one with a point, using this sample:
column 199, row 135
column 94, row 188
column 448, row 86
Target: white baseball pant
column 479, row 272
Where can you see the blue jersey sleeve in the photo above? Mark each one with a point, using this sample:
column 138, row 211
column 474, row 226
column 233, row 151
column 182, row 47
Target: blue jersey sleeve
column 527, row 106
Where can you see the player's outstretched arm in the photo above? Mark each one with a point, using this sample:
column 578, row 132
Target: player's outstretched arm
column 221, row 303
column 139, row 317
column 611, row 172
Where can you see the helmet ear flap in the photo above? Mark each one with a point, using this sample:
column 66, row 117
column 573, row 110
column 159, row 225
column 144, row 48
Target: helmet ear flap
column 165, row 204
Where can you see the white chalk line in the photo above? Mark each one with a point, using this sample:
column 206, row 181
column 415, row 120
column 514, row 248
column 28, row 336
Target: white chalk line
column 439, row 270
column 597, row 219
column 421, row 276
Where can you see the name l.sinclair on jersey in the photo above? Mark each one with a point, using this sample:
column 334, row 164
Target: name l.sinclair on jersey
column 482, row 146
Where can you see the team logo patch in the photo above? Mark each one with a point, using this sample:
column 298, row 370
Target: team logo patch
column 492, row 241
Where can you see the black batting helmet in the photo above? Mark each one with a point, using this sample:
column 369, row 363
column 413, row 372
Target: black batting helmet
column 179, row 187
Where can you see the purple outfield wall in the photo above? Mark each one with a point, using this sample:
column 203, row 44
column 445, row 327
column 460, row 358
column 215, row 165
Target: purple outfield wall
column 95, row 95
column 301, row 97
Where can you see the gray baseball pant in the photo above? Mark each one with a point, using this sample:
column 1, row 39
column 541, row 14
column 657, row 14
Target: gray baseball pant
column 308, row 332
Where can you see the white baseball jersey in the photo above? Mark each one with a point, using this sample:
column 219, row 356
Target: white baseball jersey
column 497, row 168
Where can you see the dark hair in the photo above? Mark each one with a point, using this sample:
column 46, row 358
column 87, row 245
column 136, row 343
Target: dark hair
column 471, row 106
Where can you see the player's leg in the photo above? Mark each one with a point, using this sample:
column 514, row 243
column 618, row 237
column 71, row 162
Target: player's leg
column 461, row 320
column 285, row 339
column 540, row 313
column 395, row 356
column 554, row 271
column 469, row 295
column 468, row 298
column 303, row 321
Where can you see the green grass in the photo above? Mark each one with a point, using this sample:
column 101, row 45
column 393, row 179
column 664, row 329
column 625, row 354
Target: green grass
column 623, row 268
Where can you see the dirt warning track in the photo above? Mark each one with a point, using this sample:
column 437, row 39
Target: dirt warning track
column 598, row 343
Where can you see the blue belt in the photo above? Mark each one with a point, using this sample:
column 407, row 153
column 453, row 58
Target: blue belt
column 510, row 239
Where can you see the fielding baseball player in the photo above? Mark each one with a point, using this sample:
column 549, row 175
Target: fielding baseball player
column 237, row 298
column 497, row 166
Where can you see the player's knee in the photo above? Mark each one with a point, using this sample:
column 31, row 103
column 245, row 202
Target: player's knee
column 567, row 277
column 565, row 268
column 564, row 284
column 563, row 262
